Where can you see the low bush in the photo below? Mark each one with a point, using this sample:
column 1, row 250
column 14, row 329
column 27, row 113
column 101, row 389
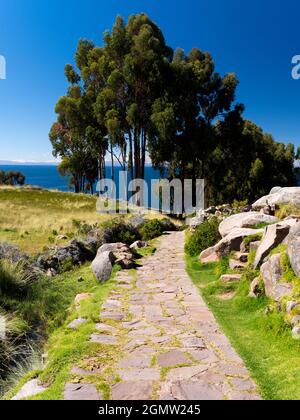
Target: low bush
column 205, row 236
column 155, row 228
column 118, row 231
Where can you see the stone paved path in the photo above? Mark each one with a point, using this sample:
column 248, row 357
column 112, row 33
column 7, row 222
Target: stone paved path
column 169, row 344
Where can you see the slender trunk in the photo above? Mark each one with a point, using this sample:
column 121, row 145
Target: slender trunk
column 130, row 155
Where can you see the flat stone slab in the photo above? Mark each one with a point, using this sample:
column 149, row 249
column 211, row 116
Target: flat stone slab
column 144, row 331
column 132, row 391
column 106, row 328
column 136, row 362
column 182, row 373
column 148, row 374
column 30, row 389
column 243, row 384
column 193, row 343
column 172, row 358
column 207, row 356
column 104, row 339
column 113, row 316
column 81, row 392
column 196, row 391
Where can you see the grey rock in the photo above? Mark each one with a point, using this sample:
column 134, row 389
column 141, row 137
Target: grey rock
column 291, row 305
column 172, row 358
column 132, row 391
column 11, row 253
column 254, row 288
column 230, row 278
column 102, row 266
column 30, row 389
column 122, row 254
column 81, row 392
column 138, row 245
column 274, row 236
column 296, row 332
column 244, row 220
column 209, row 255
column 233, row 241
column 272, row 272
column 196, row 221
column 288, row 195
column 77, row 252
column 253, row 246
column 104, row 339
column 77, row 323
column 293, row 248
column 236, row 265
column 295, row 320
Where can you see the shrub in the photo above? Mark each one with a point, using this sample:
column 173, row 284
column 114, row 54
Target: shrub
column 152, row 229
column 118, row 231
column 14, row 280
column 205, row 236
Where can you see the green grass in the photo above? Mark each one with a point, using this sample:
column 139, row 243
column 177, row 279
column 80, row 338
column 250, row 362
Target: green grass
column 67, row 347
column 263, row 341
column 32, row 219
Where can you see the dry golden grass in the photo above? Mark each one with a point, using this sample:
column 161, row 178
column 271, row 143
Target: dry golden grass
column 28, row 217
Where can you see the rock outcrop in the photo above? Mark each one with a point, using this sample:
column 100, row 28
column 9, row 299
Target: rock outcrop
column 233, row 241
column 76, row 252
column 11, row 253
column 244, row 220
column 277, row 196
column 293, row 248
column 271, row 272
column 274, row 236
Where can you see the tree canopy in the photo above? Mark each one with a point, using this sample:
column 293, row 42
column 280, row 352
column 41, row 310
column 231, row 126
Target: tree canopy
column 135, row 98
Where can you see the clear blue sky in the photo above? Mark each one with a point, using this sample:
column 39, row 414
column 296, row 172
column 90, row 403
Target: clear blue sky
column 254, row 38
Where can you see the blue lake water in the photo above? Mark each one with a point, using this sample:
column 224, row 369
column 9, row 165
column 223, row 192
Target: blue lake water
column 47, row 176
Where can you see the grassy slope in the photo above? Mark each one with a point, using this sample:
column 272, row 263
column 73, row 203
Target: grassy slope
column 263, row 341
column 28, row 217
column 65, row 347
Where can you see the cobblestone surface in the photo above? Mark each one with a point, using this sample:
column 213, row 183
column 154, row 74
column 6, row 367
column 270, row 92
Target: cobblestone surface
column 171, row 347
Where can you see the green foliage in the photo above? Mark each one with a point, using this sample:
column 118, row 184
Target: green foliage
column 205, row 236
column 135, row 95
column 119, row 231
column 253, row 238
column 237, row 204
column 66, row 265
column 286, row 210
column 263, row 341
column 11, row 178
column 14, row 281
column 151, row 229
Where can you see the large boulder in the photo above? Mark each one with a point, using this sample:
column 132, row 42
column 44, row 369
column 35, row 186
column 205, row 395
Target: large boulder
column 122, row 253
column 277, row 196
column 76, row 252
column 244, row 220
column 209, row 256
column 274, row 236
column 293, row 248
column 271, row 272
column 196, row 221
column 102, row 265
column 233, row 241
